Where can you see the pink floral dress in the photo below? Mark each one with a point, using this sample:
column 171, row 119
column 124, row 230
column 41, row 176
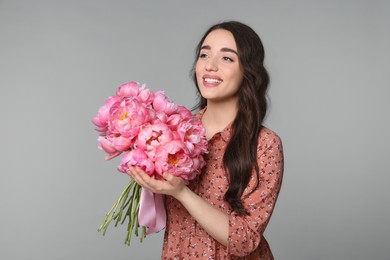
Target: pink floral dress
column 186, row 239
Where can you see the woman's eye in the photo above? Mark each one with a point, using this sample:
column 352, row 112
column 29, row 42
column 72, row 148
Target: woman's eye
column 203, row 55
column 228, row 59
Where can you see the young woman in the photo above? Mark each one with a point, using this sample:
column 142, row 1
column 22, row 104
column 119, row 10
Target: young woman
column 223, row 213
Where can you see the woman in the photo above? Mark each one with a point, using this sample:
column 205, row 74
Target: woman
column 223, row 213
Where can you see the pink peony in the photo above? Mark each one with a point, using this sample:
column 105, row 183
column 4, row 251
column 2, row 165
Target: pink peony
column 192, row 134
column 127, row 116
column 119, row 142
column 127, row 90
column 162, row 104
column 184, row 112
column 161, row 117
column 173, row 121
column 173, row 158
column 107, row 146
column 181, row 114
column 198, row 163
column 146, row 95
column 136, row 158
column 101, row 119
column 153, row 135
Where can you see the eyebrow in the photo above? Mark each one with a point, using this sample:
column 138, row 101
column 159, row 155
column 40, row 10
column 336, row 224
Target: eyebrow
column 207, row 47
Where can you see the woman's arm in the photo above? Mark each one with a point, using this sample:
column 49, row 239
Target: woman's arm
column 245, row 232
column 212, row 220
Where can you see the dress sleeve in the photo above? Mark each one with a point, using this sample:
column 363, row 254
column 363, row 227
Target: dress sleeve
column 245, row 232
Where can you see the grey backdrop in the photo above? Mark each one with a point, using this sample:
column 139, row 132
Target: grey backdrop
column 59, row 61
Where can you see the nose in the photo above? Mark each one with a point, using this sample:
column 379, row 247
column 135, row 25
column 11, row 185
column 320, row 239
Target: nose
column 211, row 65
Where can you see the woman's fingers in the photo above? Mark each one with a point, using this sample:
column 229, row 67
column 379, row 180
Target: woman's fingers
column 136, row 175
column 143, row 179
column 167, row 184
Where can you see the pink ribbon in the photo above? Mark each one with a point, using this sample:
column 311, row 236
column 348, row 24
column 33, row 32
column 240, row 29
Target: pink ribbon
column 151, row 212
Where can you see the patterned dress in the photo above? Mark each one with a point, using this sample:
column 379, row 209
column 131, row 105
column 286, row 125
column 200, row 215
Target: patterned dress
column 186, row 239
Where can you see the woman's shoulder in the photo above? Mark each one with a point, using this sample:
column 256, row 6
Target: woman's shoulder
column 268, row 138
column 268, row 134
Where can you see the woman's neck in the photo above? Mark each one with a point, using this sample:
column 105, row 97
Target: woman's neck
column 217, row 117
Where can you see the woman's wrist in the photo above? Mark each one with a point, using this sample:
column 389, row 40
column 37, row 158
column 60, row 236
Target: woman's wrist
column 182, row 193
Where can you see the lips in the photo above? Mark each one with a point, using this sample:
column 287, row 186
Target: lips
column 211, row 80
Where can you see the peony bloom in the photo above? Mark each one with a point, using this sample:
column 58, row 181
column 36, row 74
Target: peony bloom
column 172, row 157
column 107, row 146
column 152, row 136
column 119, row 142
column 191, row 133
column 146, row 95
column 127, row 116
column 181, row 114
column 173, row 121
column 184, row 113
column 198, row 163
column 162, row 104
column 101, row 119
column 136, row 158
column 127, row 90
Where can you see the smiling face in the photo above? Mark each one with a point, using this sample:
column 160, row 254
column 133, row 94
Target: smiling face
column 218, row 70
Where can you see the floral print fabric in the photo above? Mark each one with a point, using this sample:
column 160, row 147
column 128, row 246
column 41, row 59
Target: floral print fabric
column 186, row 239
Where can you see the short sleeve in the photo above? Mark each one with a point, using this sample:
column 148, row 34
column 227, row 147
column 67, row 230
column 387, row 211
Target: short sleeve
column 245, row 232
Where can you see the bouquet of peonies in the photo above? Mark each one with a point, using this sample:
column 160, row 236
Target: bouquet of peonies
column 156, row 135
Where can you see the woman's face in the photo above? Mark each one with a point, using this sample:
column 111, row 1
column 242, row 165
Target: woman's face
column 218, row 70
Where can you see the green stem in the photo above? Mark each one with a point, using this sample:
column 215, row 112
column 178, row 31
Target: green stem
column 118, row 217
column 133, row 214
column 109, row 216
column 130, row 199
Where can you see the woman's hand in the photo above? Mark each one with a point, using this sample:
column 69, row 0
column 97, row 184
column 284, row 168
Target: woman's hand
column 214, row 221
column 168, row 184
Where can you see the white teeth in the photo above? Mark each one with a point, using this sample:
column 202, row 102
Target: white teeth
column 208, row 80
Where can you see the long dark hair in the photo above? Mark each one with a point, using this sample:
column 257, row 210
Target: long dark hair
column 241, row 152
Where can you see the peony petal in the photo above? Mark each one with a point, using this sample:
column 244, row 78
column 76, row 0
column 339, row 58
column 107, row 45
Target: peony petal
column 146, row 95
column 107, row 146
column 184, row 113
column 139, row 158
column 162, row 104
column 129, row 89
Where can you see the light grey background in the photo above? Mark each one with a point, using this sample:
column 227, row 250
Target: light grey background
column 59, row 61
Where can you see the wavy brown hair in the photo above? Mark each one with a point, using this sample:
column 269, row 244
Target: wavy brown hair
column 241, row 152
